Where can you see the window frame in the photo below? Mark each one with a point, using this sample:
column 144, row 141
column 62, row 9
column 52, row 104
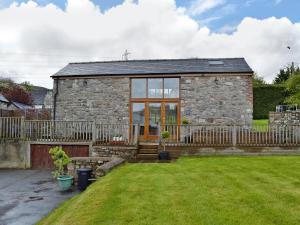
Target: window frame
column 147, row 87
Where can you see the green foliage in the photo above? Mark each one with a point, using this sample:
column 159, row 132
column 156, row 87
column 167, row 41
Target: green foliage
column 265, row 99
column 258, row 80
column 293, row 86
column 165, row 134
column 60, row 160
column 6, row 83
column 185, row 121
column 285, row 73
column 27, row 85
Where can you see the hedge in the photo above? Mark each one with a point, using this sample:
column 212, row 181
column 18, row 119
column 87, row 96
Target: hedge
column 265, row 99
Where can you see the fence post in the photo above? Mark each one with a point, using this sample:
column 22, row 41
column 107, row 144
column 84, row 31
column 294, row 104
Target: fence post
column 234, row 134
column 22, row 133
column 94, row 132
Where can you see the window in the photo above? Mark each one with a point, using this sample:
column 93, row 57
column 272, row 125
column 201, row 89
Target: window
column 155, row 88
column 138, row 88
column 171, row 88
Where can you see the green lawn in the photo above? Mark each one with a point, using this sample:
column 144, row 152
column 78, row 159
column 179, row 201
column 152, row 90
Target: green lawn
column 205, row 190
column 260, row 122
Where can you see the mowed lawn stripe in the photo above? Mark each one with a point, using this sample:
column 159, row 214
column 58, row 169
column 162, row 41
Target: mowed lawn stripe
column 204, row 190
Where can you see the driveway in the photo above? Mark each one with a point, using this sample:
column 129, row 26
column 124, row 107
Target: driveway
column 26, row 196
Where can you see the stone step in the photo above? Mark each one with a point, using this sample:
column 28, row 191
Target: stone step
column 148, row 151
column 148, row 146
column 147, row 156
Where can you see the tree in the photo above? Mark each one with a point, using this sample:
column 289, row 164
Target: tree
column 258, row 80
column 27, row 85
column 285, row 73
column 293, row 86
column 14, row 92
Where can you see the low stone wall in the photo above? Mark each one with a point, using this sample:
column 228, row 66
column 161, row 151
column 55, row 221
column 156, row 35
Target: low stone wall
column 125, row 152
column 284, row 118
column 97, row 164
column 14, row 155
column 86, row 162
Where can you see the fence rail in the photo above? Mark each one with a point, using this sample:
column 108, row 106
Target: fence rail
column 15, row 128
column 67, row 131
column 259, row 135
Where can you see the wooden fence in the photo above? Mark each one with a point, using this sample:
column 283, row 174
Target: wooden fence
column 11, row 127
column 260, row 135
column 124, row 134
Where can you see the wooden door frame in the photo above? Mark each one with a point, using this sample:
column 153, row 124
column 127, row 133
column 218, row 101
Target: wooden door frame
column 163, row 102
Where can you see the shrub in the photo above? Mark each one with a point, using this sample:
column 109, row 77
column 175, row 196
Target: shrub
column 185, row 121
column 165, row 134
column 60, row 160
column 265, row 99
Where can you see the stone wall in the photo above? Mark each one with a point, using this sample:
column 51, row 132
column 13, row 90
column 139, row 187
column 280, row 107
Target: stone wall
column 86, row 162
column 284, row 118
column 217, row 99
column 124, row 152
column 99, row 165
column 103, row 99
column 204, row 99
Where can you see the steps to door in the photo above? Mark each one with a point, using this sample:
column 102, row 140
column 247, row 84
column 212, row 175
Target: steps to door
column 147, row 152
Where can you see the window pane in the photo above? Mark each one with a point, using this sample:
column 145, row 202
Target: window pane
column 154, row 118
column 171, row 88
column 138, row 115
column 155, row 88
column 138, row 88
column 171, row 113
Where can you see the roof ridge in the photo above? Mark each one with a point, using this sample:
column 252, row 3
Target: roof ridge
column 152, row 60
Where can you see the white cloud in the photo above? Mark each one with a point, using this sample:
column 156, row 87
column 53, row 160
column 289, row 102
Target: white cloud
column 200, row 6
column 37, row 41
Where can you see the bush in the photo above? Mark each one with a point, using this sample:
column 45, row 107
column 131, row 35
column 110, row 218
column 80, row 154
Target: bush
column 60, row 160
column 165, row 134
column 265, row 99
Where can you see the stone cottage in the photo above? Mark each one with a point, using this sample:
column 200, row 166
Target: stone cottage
column 151, row 92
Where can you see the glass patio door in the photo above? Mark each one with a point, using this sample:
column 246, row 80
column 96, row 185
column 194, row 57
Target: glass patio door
column 138, row 117
column 153, row 116
column 154, row 120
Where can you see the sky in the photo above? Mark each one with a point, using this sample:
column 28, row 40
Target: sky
column 37, row 38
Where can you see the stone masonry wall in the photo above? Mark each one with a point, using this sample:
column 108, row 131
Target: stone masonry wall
column 217, row 99
column 105, row 100
column 212, row 99
column 284, row 118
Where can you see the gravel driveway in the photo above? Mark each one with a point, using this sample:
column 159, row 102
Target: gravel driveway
column 26, row 196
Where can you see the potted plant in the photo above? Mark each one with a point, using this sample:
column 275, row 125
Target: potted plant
column 185, row 121
column 164, row 155
column 60, row 160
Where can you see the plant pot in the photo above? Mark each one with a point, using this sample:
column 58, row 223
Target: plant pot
column 65, row 182
column 164, row 155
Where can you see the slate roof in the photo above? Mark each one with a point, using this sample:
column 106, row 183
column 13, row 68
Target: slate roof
column 38, row 95
column 21, row 105
column 162, row 66
column 3, row 99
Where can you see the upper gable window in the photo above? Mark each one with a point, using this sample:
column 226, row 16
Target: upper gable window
column 171, row 88
column 138, row 88
column 155, row 88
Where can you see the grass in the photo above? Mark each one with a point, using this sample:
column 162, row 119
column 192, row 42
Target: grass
column 202, row 191
column 260, row 122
